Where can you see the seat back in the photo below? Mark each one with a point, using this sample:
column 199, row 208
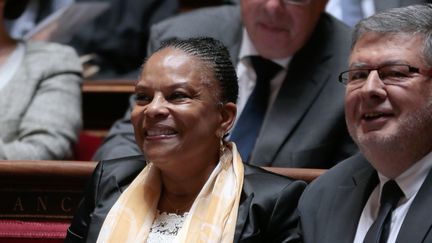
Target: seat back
column 39, row 198
column 304, row 174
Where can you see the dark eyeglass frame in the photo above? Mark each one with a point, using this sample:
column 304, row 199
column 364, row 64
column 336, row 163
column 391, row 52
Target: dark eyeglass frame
column 344, row 76
column 296, row 2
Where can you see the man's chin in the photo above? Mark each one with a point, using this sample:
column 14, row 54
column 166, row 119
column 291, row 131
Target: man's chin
column 377, row 140
column 271, row 48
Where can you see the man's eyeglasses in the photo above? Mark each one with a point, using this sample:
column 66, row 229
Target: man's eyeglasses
column 296, row 2
column 389, row 74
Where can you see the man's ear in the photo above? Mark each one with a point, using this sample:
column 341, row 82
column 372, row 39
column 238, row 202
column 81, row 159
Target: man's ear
column 228, row 112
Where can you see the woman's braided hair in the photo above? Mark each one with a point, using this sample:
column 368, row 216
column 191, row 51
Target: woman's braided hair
column 216, row 57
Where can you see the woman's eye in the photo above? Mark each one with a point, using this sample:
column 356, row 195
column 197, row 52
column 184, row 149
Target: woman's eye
column 177, row 96
column 142, row 97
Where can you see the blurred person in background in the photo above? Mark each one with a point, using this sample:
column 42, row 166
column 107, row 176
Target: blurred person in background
column 113, row 44
column 117, row 40
column 40, row 95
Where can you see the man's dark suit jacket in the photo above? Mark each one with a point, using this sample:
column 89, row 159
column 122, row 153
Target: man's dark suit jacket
column 331, row 206
column 305, row 127
column 267, row 210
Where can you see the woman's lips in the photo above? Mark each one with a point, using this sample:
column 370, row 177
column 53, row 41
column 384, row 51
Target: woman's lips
column 158, row 133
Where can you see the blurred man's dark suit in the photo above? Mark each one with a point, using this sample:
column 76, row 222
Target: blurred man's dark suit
column 305, row 127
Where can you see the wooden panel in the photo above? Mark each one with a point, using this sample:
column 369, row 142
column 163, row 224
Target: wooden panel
column 42, row 189
column 108, row 86
column 303, row 174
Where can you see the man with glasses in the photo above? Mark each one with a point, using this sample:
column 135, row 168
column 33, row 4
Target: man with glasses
column 289, row 117
column 383, row 194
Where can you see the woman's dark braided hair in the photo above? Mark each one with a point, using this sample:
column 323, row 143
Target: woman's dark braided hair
column 216, row 56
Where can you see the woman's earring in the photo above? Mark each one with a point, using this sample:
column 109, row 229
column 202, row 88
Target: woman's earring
column 221, row 148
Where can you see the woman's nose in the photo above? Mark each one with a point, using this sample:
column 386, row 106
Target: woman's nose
column 157, row 107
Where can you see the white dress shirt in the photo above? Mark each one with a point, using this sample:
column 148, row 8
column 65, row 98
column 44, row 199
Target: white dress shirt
column 410, row 182
column 247, row 77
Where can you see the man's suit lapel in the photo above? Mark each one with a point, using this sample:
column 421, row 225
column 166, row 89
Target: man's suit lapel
column 287, row 111
column 308, row 72
column 348, row 205
column 418, row 221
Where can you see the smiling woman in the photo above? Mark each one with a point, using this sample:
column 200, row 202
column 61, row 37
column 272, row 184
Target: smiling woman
column 192, row 185
column 174, row 94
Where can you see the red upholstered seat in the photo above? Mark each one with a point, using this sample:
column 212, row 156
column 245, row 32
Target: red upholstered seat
column 12, row 231
column 87, row 145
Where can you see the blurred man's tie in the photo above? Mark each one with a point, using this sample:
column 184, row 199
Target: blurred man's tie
column 248, row 126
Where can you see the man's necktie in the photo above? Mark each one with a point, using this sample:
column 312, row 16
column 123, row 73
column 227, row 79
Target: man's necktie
column 250, row 121
column 352, row 11
column 390, row 196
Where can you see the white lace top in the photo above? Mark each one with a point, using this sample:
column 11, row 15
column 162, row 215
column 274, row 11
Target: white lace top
column 165, row 227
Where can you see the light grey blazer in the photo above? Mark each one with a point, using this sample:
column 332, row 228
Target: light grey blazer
column 41, row 106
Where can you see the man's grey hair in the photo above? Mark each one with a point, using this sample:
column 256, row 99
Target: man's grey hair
column 412, row 20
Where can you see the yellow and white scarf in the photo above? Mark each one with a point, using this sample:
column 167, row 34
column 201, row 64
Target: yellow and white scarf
column 212, row 217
